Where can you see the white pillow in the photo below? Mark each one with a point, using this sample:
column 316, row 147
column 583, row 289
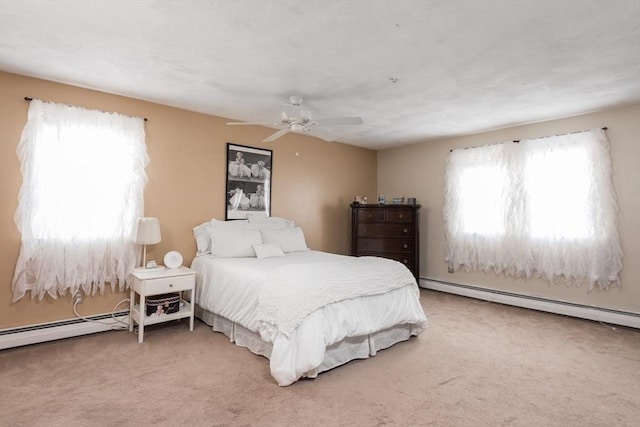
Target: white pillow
column 270, row 221
column 234, row 243
column 289, row 239
column 236, row 224
column 270, row 225
column 268, row 250
column 202, row 233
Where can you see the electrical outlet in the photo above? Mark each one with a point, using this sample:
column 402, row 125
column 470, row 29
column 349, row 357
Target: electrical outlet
column 77, row 298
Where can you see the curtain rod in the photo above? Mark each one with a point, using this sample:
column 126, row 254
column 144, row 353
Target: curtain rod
column 561, row 134
column 28, row 98
column 517, row 140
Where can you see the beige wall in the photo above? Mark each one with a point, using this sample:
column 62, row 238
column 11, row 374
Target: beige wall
column 313, row 183
column 418, row 171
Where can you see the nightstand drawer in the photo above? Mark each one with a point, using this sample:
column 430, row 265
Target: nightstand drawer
column 165, row 284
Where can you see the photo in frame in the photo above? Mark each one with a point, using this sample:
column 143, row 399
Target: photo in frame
column 248, row 187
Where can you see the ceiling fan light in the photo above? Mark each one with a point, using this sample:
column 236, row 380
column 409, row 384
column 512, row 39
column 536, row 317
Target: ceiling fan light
column 296, row 100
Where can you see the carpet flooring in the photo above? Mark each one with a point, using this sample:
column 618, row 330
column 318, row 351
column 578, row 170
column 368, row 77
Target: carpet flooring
column 477, row 364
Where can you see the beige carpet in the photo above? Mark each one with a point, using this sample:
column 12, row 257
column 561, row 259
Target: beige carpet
column 478, row 364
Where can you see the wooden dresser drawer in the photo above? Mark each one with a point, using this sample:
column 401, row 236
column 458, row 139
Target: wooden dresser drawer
column 371, row 215
column 400, row 215
column 384, row 230
column 385, row 245
column 385, row 215
column 406, row 259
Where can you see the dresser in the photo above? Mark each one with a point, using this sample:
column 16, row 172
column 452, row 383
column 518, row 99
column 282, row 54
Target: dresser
column 388, row 231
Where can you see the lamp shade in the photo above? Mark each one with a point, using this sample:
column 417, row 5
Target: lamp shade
column 148, row 231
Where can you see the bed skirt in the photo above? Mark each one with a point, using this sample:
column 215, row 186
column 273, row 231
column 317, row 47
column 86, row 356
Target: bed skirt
column 337, row 354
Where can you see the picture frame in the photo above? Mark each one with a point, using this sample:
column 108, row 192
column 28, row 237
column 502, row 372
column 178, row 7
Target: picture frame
column 248, row 183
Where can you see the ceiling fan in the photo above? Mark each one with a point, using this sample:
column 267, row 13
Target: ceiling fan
column 300, row 121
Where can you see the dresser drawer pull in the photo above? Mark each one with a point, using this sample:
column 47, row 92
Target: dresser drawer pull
column 401, row 216
column 405, row 261
column 405, row 246
column 171, row 285
column 405, row 230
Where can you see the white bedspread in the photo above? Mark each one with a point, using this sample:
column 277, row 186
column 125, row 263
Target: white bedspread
column 231, row 287
column 306, row 288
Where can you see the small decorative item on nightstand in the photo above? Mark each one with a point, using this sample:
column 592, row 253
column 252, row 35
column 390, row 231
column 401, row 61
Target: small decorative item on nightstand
column 163, row 304
column 173, row 259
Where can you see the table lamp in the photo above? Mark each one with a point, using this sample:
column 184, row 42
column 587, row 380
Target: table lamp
column 147, row 233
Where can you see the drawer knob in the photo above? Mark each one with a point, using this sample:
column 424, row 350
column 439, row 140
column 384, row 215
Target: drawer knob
column 171, row 285
column 405, row 261
column 405, row 230
column 405, row 246
column 401, row 216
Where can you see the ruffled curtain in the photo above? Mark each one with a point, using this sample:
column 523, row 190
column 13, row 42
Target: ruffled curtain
column 543, row 207
column 82, row 192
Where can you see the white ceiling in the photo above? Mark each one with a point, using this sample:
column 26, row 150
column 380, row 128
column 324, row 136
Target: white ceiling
column 414, row 70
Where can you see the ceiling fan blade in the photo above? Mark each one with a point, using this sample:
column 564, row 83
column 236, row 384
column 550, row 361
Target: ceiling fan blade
column 338, row 121
column 276, row 135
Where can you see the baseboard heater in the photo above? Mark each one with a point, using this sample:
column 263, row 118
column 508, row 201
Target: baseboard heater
column 16, row 337
column 541, row 304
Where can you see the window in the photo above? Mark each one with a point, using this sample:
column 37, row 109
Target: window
column 480, row 210
column 559, row 179
column 82, row 192
column 542, row 207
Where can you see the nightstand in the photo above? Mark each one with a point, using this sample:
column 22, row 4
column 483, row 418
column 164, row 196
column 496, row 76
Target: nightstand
column 156, row 282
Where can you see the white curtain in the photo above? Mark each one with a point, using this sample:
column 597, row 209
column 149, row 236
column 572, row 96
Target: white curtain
column 543, row 207
column 82, row 192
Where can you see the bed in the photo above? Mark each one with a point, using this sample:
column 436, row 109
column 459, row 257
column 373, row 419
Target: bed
column 306, row 311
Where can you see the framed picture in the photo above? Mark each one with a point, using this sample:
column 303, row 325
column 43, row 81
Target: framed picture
column 248, row 181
